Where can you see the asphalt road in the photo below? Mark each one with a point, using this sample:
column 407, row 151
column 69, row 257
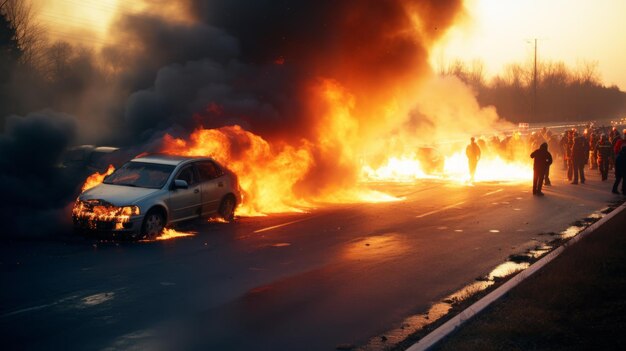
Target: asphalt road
column 340, row 274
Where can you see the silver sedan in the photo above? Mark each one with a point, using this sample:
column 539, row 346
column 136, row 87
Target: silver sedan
column 149, row 193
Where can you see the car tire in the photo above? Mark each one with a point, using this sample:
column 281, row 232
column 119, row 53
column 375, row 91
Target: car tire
column 153, row 224
column 227, row 208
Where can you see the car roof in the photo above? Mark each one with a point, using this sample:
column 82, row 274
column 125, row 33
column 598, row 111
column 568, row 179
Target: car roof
column 105, row 149
column 163, row 159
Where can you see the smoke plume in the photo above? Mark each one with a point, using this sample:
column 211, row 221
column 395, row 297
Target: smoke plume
column 323, row 81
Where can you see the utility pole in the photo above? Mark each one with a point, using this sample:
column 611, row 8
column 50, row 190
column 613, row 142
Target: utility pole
column 535, row 85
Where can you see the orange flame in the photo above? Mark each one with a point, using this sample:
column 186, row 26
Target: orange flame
column 266, row 174
column 281, row 177
column 100, row 213
column 455, row 168
column 96, row 178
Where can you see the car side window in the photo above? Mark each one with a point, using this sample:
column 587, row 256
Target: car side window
column 208, row 170
column 187, row 174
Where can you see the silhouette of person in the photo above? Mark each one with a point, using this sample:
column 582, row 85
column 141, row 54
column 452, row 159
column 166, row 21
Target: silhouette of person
column 620, row 171
column 473, row 155
column 605, row 153
column 579, row 155
column 542, row 161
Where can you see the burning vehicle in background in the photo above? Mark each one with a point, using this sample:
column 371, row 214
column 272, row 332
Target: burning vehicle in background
column 91, row 158
column 431, row 160
column 151, row 192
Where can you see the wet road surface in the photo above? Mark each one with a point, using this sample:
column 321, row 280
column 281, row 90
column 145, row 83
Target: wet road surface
column 340, row 274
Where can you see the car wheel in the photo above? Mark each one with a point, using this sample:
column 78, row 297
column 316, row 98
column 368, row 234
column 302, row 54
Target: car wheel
column 227, row 208
column 153, row 224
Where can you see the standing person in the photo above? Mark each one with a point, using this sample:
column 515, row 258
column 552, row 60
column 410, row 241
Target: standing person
column 542, row 162
column 617, row 142
column 579, row 156
column 473, row 155
column 569, row 156
column 605, row 153
column 620, row 171
column 563, row 148
column 593, row 142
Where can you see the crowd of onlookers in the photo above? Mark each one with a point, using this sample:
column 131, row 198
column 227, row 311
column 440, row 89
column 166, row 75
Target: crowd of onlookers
column 593, row 148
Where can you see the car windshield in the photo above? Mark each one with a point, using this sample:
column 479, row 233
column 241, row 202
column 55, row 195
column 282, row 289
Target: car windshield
column 140, row 174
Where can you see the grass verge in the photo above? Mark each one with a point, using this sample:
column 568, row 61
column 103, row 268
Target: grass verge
column 577, row 302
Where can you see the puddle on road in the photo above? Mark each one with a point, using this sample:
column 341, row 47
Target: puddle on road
column 97, row 299
column 515, row 264
column 571, row 232
column 506, row 269
column 582, row 224
column 540, row 251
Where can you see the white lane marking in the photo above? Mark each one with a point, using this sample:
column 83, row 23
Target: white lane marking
column 439, row 210
column 493, row 192
column 283, row 225
column 34, row 308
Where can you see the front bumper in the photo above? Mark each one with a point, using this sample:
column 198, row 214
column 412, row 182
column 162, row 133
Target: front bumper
column 114, row 227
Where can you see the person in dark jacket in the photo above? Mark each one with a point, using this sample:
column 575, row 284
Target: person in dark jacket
column 569, row 156
column 542, row 161
column 579, row 156
column 604, row 153
column 473, row 155
column 620, row 171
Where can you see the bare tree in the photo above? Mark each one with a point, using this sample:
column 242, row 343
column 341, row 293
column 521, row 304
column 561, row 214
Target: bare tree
column 553, row 74
column 587, row 73
column 29, row 33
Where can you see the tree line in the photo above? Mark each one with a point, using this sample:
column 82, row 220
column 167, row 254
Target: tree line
column 557, row 92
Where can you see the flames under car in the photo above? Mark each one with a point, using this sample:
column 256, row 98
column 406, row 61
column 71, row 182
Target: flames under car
column 149, row 193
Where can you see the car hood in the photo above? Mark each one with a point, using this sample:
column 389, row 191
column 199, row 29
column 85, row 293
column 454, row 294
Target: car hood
column 117, row 195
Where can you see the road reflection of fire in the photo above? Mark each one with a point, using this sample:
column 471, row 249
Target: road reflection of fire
column 376, row 247
column 169, row 234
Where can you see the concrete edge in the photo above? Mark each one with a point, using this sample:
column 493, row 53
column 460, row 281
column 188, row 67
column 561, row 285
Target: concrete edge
column 448, row 327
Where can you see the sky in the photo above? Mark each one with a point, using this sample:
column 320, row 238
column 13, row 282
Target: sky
column 499, row 32
column 496, row 32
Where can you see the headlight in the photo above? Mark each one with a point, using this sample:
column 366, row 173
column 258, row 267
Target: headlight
column 130, row 211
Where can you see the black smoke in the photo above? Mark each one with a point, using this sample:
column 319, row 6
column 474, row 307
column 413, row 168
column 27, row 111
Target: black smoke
column 35, row 190
column 250, row 63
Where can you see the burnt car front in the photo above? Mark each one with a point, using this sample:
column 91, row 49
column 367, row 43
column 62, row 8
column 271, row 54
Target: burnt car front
column 119, row 204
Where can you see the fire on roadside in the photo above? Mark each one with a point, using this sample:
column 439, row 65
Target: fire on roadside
column 455, row 169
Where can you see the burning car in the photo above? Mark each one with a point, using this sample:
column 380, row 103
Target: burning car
column 151, row 192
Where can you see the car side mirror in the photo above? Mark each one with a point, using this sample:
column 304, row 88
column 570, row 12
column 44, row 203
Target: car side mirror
column 180, row 184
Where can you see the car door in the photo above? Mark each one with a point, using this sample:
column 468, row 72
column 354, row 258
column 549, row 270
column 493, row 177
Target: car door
column 185, row 203
column 212, row 185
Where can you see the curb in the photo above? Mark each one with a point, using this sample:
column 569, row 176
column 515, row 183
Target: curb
column 448, row 327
